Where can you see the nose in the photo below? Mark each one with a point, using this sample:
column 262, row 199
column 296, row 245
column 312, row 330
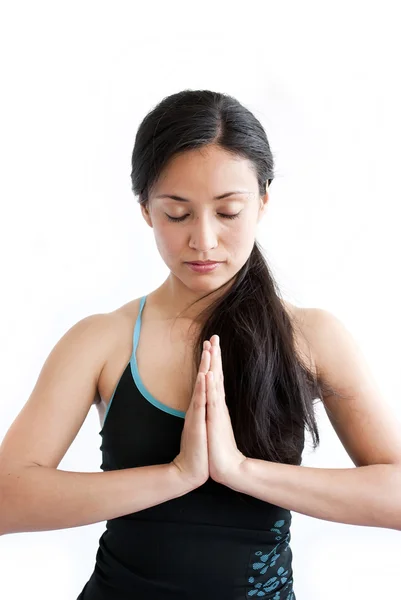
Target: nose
column 202, row 234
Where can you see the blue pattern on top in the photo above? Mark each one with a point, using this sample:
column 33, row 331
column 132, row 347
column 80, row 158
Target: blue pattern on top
column 265, row 563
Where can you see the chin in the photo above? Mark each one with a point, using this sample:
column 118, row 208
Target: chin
column 206, row 282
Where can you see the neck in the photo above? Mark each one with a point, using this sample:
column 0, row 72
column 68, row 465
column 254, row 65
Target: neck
column 176, row 301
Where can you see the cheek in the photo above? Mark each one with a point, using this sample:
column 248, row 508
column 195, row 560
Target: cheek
column 168, row 239
column 239, row 239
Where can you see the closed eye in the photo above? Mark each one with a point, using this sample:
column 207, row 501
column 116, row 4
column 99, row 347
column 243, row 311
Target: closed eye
column 185, row 216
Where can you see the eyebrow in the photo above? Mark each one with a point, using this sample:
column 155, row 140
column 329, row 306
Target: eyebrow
column 180, row 199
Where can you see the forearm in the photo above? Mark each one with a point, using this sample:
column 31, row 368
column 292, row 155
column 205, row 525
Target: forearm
column 369, row 495
column 37, row 498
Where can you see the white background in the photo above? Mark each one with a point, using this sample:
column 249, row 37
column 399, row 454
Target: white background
column 77, row 78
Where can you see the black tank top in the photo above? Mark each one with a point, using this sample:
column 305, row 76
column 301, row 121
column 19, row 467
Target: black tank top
column 211, row 543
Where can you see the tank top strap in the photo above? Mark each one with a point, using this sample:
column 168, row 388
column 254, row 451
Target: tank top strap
column 137, row 328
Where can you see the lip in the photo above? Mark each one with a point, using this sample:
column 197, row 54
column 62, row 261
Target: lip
column 204, row 267
column 204, row 262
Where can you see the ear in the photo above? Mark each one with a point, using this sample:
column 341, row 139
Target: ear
column 263, row 205
column 146, row 214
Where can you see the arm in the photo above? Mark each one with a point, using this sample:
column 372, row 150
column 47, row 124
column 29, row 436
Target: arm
column 34, row 494
column 37, row 498
column 369, row 494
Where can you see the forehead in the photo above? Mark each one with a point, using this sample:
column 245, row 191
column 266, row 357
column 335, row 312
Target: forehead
column 210, row 170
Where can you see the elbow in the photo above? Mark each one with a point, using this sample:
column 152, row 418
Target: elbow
column 8, row 501
column 393, row 511
column 3, row 510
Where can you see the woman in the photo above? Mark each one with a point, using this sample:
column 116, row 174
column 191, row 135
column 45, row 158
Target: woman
column 204, row 387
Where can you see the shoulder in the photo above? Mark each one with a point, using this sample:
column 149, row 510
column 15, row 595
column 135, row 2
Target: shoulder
column 103, row 334
column 302, row 323
column 354, row 402
column 126, row 314
column 332, row 345
column 327, row 343
column 119, row 322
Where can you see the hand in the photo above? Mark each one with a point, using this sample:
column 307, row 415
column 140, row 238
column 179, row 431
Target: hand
column 224, row 457
column 192, row 461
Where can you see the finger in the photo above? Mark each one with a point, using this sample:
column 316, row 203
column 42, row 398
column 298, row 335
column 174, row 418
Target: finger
column 211, row 393
column 200, row 391
column 216, row 365
column 221, row 378
column 205, row 362
column 207, row 345
column 206, row 358
column 213, row 353
column 197, row 405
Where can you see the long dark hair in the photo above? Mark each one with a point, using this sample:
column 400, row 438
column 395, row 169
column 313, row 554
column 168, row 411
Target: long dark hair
column 270, row 388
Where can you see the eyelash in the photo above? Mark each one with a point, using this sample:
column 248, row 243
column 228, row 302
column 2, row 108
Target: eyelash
column 176, row 219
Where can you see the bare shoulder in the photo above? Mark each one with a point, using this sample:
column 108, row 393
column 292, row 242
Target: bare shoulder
column 297, row 314
column 354, row 402
column 304, row 323
column 118, row 346
column 127, row 310
column 62, row 396
column 120, row 323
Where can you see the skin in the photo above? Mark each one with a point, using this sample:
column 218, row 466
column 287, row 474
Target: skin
column 199, row 176
column 204, row 234
column 224, row 457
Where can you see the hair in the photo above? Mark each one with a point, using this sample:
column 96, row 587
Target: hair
column 270, row 389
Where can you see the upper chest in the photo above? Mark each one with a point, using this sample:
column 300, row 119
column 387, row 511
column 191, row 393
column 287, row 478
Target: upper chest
column 164, row 359
column 164, row 356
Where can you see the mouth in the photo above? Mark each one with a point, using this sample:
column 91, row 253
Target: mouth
column 203, row 267
column 204, row 262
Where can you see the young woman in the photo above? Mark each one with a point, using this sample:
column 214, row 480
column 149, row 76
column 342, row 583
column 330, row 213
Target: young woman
column 204, row 388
